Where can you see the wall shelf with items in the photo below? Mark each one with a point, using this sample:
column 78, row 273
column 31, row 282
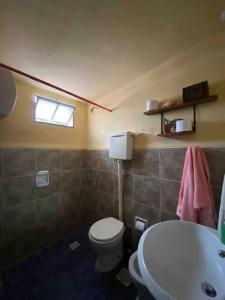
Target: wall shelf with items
column 169, row 134
column 180, row 105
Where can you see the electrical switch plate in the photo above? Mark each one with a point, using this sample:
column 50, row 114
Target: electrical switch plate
column 42, row 178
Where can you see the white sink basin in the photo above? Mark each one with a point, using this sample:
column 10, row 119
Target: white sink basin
column 179, row 259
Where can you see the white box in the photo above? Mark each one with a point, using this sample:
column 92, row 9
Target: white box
column 42, row 178
column 121, row 145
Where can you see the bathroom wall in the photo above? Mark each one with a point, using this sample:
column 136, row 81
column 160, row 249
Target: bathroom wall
column 151, row 183
column 83, row 189
column 19, row 130
column 32, row 217
column 205, row 61
column 83, row 183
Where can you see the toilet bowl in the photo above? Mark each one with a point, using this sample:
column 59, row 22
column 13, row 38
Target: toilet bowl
column 106, row 236
column 143, row 293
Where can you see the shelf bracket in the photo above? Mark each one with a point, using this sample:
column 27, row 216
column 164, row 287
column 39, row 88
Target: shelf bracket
column 194, row 118
column 162, row 122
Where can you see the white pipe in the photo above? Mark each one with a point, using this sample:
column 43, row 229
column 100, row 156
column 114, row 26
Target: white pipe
column 120, row 189
column 222, row 206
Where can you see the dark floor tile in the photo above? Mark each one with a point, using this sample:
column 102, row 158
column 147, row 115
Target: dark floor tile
column 26, row 244
column 29, row 269
column 56, row 273
column 43, row 288
column 61, row 248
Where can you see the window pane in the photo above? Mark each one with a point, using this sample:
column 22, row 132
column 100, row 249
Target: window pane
column 70, row 124
column 52, row 112
column 63, row 114
column 45, row 110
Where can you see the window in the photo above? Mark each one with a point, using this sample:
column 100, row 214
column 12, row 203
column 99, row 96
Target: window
column 52, row 112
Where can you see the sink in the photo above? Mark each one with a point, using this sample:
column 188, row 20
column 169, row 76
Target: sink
column 180, row 260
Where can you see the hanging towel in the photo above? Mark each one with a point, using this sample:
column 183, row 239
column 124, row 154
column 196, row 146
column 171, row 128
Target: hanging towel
column 196, row 203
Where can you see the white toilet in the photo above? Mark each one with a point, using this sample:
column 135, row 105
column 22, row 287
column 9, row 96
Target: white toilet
column 106, row 236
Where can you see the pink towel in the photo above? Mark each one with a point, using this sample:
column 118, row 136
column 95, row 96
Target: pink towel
column 196, row 203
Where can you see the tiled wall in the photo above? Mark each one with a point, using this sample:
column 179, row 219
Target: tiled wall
column 83, row 189
column 151, row 183
column 32, row 217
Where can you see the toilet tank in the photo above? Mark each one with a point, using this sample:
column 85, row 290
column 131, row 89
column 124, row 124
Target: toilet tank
column 121, row 145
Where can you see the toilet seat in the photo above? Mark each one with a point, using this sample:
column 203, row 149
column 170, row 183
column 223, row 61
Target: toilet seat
column 106, row 230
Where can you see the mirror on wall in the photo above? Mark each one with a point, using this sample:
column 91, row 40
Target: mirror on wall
column 7, row 92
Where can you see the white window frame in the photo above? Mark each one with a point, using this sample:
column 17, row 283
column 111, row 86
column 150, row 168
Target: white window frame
column 38, row 97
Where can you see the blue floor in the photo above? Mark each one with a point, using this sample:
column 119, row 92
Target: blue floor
column 56, row 273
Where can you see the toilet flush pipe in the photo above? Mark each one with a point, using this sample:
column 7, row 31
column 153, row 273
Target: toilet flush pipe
column 120, row 189
column 52, row 86
column 222, row 206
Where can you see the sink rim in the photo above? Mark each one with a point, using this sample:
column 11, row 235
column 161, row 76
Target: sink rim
column 150, row 282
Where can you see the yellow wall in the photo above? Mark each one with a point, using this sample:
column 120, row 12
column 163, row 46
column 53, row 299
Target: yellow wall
column 19, row 130
column 203, row 62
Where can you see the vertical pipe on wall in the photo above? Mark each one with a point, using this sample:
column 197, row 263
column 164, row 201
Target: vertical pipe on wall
column 120, row 189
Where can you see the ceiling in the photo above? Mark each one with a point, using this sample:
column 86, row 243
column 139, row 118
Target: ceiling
column 93, row 47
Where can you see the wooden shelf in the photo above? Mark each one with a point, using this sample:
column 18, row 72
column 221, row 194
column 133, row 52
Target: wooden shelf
column 181, row 105
column 171, row 134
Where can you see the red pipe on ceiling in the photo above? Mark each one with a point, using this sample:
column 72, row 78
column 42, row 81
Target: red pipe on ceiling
column 53, row 86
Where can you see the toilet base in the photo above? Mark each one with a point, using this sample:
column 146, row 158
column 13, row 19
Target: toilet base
column 108, row 256
column 106, row 263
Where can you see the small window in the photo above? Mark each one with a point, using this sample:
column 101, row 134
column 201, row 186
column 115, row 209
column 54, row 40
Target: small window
column 52, row 112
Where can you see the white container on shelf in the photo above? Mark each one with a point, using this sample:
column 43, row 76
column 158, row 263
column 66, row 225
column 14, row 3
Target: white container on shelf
column 183, row 125
column 152, row 104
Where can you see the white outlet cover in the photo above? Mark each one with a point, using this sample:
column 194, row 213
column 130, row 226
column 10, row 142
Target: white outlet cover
column 42, row 178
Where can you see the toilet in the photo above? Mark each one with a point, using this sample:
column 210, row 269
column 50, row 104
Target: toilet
column 106, row 236
column 143, row 293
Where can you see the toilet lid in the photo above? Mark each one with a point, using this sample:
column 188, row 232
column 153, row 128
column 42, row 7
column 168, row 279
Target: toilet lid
column 106, row 229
